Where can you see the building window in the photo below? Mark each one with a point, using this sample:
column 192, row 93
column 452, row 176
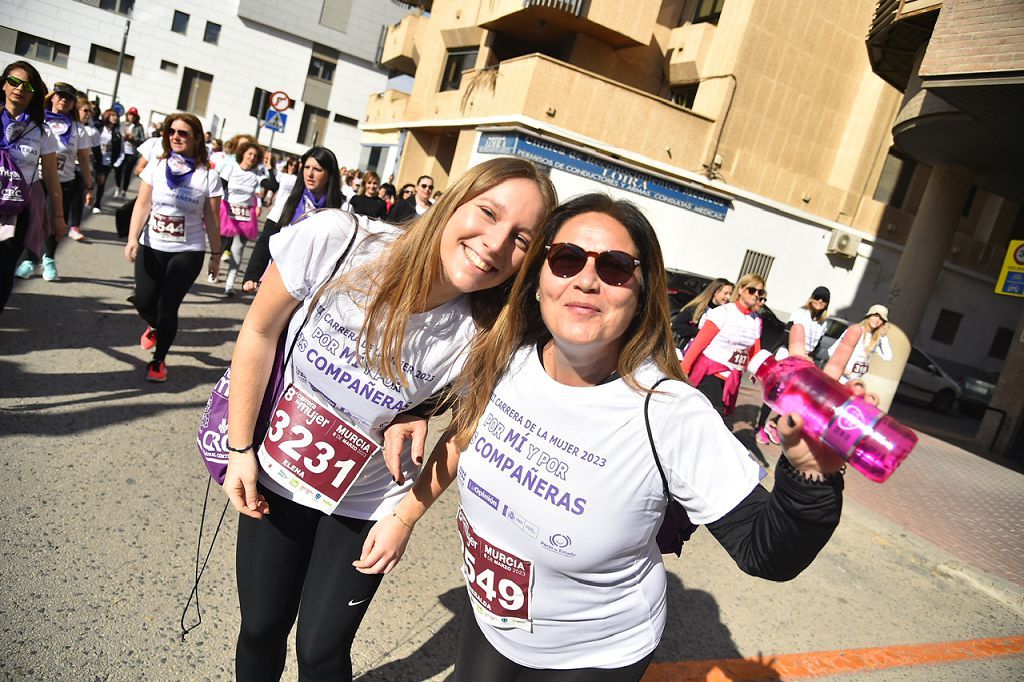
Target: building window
column 313, row 126
column 107, row 58
column 946, row 326
column 1001, row 343
column 33, row 47
column 969, row 201
column 708, row 10
column 345, row 120
column 195, row 91
column 179, row 24
column 684, row 95
column 758, row 263
column 321, row 69
column 168, row 66
column 117, row 6
column 371, row 158
column 894, row 180
column 458, row 61
column 212, row 33
column 260, row 103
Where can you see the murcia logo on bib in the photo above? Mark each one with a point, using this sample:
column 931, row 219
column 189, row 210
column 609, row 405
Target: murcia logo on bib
column 500, row 583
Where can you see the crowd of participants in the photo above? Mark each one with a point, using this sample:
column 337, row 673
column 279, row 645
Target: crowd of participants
column 547, row 321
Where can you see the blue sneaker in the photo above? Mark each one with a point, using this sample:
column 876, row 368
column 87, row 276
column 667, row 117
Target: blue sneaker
column 25, row 269
column 49, row 269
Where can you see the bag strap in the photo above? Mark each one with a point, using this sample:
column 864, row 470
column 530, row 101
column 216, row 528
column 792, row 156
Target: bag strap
column 650, row 437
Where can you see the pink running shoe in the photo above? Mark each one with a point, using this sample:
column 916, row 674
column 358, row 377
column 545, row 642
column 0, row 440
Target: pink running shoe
column 762, row 437
column 75, row 233
column 772, row 433
column 148, row 339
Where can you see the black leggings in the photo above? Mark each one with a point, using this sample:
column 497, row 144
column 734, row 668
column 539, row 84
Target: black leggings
column 73, row 210
column 712, row 387
column 99, row 176
column 299, row 556
column 477, row 661
column 125, row 171
column 161, row 281
column 10, row 256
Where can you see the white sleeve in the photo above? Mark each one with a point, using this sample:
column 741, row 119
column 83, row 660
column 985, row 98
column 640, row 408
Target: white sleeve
column 225, row 173
column 709, row 472
column 306, row 254
column 47, row 142
column 884, row 349
column 718, row 316
column 147, row 173
column 213, row 188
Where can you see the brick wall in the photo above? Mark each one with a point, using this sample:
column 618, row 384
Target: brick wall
column 976, row 36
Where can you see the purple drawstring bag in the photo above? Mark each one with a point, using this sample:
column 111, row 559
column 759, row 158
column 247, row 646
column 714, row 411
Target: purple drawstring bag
column 14, row 197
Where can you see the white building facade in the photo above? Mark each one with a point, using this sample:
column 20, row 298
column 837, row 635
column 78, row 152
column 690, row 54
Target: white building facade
column 218, row 60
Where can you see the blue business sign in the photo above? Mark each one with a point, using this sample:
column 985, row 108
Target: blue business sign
column 608, row 173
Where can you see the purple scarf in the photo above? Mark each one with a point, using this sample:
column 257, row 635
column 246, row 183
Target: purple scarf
column 69, row 126
column 179, row 169
column 7, row 121
column 307, row 203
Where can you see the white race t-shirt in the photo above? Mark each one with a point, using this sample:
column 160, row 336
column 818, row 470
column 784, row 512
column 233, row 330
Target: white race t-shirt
column 737, row 332
column 325, row 359
column 286, row 182
column 242, row 184
column 151, row 148
column 860, row 359
column 32, row 141
column 813, row 331
column 67, row 154
column 176, row 217
column 564, row 477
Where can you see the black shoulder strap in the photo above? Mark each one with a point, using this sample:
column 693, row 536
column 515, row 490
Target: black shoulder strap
column 650, row 437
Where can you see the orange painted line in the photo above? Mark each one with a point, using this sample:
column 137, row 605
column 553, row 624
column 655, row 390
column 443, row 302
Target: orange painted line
column 821, row 663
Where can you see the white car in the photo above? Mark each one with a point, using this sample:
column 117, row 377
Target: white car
column 923, row 379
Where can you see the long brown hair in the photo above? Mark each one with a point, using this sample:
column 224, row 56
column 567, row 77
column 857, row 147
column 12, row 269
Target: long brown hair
column 397, row 283
column 198, row 146
column 649, row 336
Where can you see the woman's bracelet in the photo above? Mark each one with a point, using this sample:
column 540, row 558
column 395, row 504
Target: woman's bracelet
column 401, row 520
column 245, row 449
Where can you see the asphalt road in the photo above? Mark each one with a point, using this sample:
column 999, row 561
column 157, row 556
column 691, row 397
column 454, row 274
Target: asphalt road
column 103, row 491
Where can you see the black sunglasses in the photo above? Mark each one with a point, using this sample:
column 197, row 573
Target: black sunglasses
column 613, row 267
column 178, row 132
column 16, row 83
column 819, row 298
column 756, row 291
column 427, row 186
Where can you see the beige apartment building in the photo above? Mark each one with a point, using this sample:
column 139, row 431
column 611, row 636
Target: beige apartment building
column 757, row 135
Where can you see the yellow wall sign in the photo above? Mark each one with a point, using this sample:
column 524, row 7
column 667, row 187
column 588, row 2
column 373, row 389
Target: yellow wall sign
column 1011, row 279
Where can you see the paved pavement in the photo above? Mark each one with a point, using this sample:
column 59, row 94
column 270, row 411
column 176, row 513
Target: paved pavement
column 102, row 494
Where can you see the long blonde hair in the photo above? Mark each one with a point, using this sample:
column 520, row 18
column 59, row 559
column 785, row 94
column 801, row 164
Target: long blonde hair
column 751, row 279
column 396, row 284
column 876, row 335
column 519, row 323
column 702, row 301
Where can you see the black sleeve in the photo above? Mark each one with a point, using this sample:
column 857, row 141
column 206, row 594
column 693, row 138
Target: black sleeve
column 777, row 535
column 432, row 406
column 259, row 260
column 224, row 184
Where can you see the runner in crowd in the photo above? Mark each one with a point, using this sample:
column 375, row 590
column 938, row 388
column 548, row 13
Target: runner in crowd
column 218, row 155
column 74, row 216
column 388, row 194
column 811, row 317
column 146, row 152
column 73, row 143
column 33, row 150
column 415, row 295
column 132, row 135
column 320, row 188
column 239, row 211
column 553, row 422
column 106, row 153
column 175, row 216
column 416, row 205
column 873, row 339
column 730, row 336
column 689, row 319
column 366, row 202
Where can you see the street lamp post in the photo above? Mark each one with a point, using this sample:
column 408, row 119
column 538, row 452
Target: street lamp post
column 120, row 60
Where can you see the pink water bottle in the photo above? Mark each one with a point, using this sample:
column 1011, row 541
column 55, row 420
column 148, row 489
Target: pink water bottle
column 871, row 441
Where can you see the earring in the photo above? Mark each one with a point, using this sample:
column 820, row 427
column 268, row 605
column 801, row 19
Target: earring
column 536, row 295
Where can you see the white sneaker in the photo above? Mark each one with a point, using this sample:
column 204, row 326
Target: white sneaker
column 96, row 210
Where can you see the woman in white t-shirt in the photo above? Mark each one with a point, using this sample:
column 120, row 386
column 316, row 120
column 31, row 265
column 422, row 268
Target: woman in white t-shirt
column 33, row 148
column 174, row 218
column 729, row 336
column 108, row 151
column 239, row 211
column 391, row 312
column 561, row 495
column 873, row 340
column 83, row 109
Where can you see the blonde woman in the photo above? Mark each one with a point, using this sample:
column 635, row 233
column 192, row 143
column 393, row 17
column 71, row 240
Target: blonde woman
column 366, row 202
column 731, row 335
column 386, row 330
column 873, row 340
column 688, row 320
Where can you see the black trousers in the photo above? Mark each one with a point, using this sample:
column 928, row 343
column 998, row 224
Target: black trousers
column 293, row 562
column 161, row 281
column 123, row 173
column 10, row 256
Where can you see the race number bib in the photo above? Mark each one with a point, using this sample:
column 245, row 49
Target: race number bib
column 739, row 358
column 170, row 228
column 498, row 581
column 859, row 369
column 61, row 162
column 105, row 153
column 312, row 451
column 240, row 212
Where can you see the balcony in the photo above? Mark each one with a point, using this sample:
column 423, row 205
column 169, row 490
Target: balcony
column 557, row 95
column 389, row 105
column 399, row 51
column 549, row 22
column 898, row 32
column 688, row 46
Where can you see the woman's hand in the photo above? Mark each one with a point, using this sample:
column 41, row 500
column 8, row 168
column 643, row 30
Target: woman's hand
column 405, row 426
column 214, row 267
column 384, row 546
column 131, row 249
column 250, row 286
column 240, row 485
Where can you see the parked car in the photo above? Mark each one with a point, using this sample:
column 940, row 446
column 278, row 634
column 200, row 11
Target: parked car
column 923, row 378
column 978, row 390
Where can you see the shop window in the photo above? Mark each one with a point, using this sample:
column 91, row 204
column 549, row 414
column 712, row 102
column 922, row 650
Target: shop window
column 946, row 326
column 458, row 61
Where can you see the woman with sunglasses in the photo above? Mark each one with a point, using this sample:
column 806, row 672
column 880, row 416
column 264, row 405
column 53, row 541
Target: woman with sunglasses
column 730, row 336
column 873, row 340
column 318, row 187
column 174, row 218
column 388, row 326
column 561, row 496
column 73, row 143
column 83, row 115
column 33, row 148
column 239, row 212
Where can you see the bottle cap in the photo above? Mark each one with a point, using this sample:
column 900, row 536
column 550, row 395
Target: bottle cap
column 758, row 360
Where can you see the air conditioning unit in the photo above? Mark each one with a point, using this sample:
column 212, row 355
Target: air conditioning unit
column 843, row 243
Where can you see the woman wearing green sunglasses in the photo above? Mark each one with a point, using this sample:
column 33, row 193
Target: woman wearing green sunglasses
column 31, row 144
